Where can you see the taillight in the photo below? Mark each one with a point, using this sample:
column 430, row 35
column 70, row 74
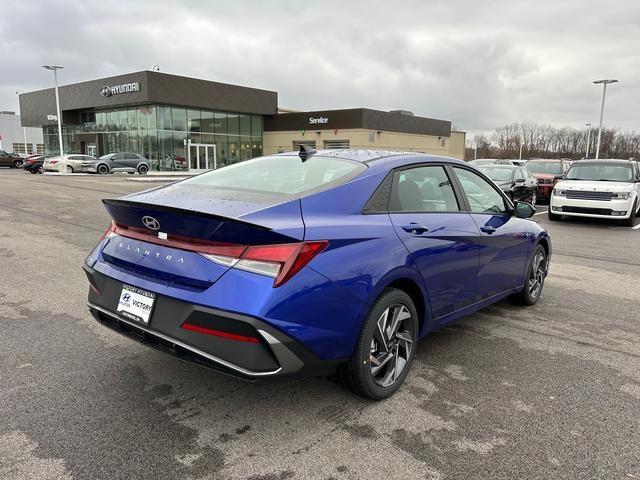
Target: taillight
column 110, row 228
column 53, row 162
column 280, row 261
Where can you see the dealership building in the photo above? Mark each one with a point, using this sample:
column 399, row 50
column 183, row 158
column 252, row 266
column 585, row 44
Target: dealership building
column 182, row 123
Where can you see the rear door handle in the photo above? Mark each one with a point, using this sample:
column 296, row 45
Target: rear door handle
column 488, row 229
column 415, row 228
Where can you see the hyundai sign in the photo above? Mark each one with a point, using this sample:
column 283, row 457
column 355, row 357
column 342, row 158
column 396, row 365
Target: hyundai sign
column 109, row 90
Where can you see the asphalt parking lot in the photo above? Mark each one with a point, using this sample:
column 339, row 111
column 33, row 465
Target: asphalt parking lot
column 552, row 391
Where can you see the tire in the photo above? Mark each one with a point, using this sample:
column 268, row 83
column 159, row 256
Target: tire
column 102, row 169
column 143, row 169
column 536, row 275
column 382, row 357
column 40, row 169
column 630, row 222
column 533, row 199
column 553, row 216
column 17, row 164
column 69, row 169
column 33, row 171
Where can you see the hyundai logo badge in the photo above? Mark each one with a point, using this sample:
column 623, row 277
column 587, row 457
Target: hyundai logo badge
column 150, row 222
column 106, row 91
column 126, row 297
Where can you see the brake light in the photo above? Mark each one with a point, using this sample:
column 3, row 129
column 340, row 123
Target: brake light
column 110, row 228
column 53, row 162
column 281, row 261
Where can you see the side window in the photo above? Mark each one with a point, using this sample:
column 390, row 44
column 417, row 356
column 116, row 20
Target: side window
column 521, row 174
column 483, row 198
column 130, row 156
column 422, row 189
column 119, row 156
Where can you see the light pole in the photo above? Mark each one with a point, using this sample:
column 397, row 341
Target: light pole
column 588, row 125
column 24, row 129
column 604, row 82
column 61, row 168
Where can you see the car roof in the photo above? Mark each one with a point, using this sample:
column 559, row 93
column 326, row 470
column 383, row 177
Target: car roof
column 356, row 154
column 607, row 160
column 500, row 165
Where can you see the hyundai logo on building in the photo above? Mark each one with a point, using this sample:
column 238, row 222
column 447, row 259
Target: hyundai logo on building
column 109, row 90
column 313, row 121
column 150, row 222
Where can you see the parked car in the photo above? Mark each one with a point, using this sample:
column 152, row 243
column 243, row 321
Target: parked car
column 34, row 163
column 74, row 163
column 598, row 188
column 490, row 161
column 118, row 162
column 296, row 264
column 547, row 172
column 516, row 182
column 10, row 160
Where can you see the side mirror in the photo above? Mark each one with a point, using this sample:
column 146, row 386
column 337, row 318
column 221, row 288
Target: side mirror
column 524, row 210
column 558, row 177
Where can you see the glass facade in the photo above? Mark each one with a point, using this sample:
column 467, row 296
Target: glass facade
column 160, row 133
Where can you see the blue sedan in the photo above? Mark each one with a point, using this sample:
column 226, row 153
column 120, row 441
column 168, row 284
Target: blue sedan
column 311, row 262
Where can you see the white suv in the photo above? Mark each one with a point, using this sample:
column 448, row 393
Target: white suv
column 598, row 188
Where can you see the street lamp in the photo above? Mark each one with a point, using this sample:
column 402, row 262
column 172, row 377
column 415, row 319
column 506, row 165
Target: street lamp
column 61, row 168
column 604, row 82
column 24, row 129
column 588, row 125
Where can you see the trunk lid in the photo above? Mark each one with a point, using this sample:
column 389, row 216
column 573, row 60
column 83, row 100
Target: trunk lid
column 165, row 233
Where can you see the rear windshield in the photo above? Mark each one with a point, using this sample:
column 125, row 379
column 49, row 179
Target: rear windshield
column 553, row 168
column 287, row 175
column 600, row 171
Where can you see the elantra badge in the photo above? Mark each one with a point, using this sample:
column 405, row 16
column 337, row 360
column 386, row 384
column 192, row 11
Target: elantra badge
column 151, row 223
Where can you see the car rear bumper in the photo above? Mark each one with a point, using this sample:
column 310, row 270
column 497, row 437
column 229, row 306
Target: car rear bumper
column 614, row 209
column 272, row 354
column 543, row 191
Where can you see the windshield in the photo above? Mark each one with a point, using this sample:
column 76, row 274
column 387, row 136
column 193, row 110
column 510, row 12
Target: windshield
column 552, row 168
column 107, row 156
column 281, row 174
column 600, row 172
column 498, row 174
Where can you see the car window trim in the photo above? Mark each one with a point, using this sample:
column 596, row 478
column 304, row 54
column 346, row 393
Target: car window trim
column 461, row 200
column 510, row 208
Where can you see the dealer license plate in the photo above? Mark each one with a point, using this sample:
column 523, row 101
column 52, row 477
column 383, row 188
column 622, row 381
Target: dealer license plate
column 136, row 304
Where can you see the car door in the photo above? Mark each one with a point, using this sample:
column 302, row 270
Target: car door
column 131, row 160
column 5, row 159
column 523, row 185
column 117, row 161
column 438, row 234
column 504, row 243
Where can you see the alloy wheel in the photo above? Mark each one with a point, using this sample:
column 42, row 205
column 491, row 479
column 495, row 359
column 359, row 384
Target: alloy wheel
column 391, row 345
column 537, row 273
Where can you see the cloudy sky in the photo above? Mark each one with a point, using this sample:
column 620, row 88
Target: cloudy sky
column 478, row 63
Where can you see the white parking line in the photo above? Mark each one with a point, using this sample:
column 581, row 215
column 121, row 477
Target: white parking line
column 540, row 213
column 637, row 227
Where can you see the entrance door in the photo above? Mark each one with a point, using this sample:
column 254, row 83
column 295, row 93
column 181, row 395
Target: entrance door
column 91, row 149
column 202, row 156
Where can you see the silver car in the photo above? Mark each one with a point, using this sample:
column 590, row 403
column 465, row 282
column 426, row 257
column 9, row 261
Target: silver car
column 72, row 163
column 117, row 162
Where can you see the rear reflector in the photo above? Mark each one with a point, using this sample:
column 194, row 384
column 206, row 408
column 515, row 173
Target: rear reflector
column 218, row 333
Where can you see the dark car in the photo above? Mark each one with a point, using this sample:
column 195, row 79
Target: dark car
column 547, row 172
column 303, row 263
column 10, row 160
column 34, row 163
column 516, row 182
column 117, row 162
